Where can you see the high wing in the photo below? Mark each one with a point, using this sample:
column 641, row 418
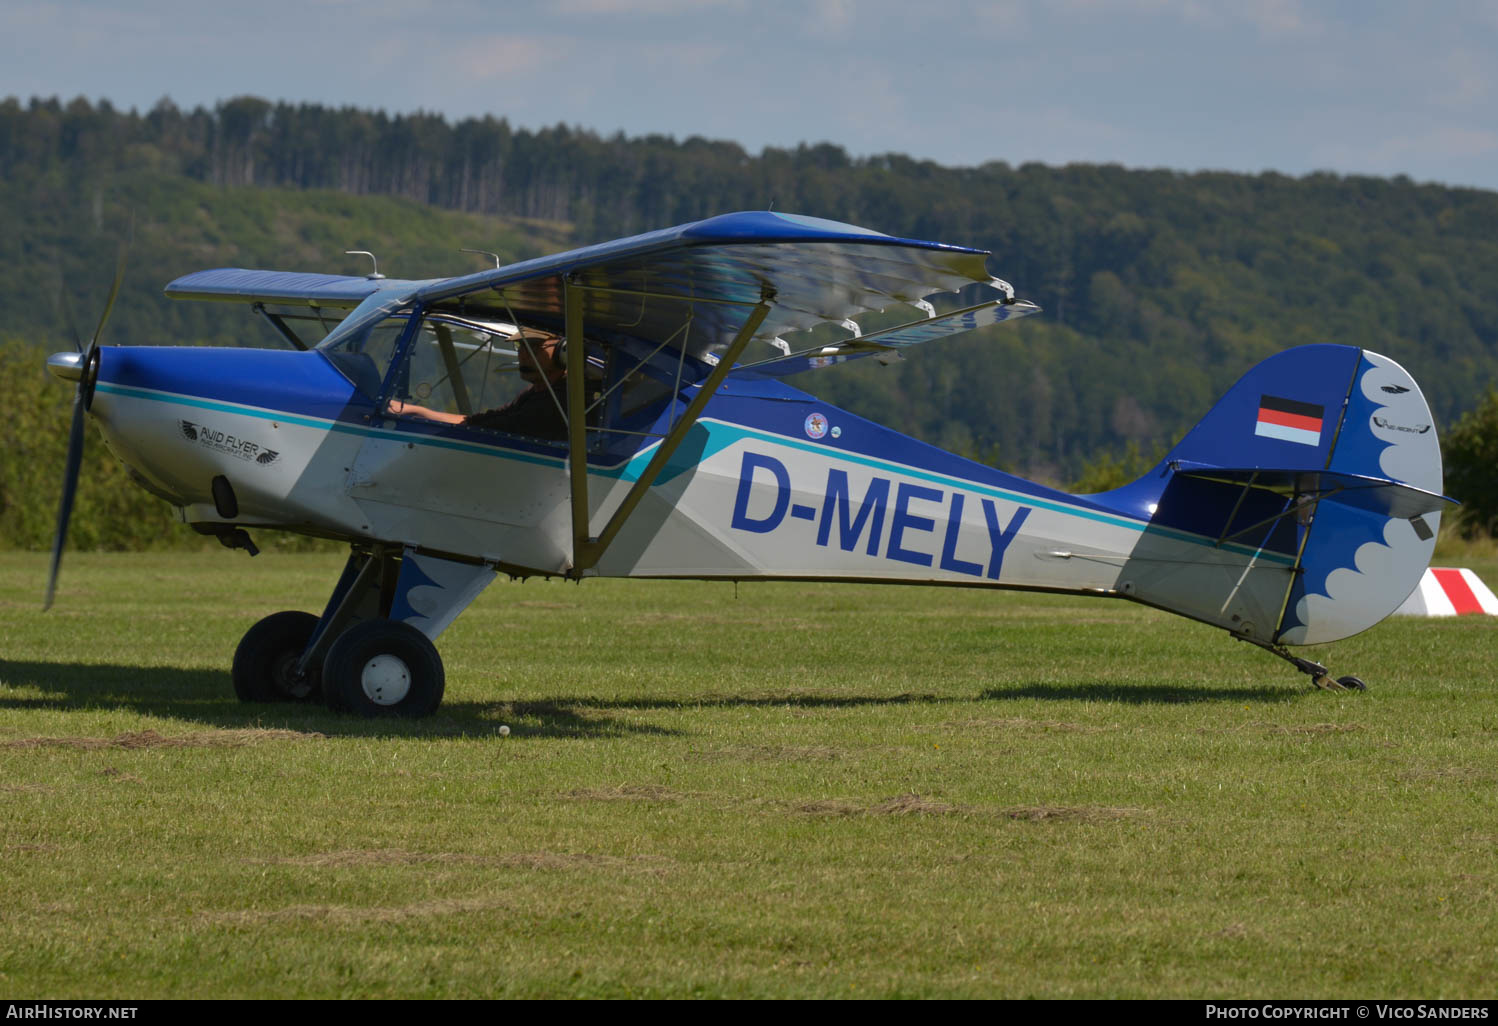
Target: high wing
column 686, row 288
column 298, row 296
column 690, row 288
column 289, row 288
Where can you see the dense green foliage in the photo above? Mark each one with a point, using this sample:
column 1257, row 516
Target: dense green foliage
column 110, row 512
column 1470, row 452
column 1160, row 288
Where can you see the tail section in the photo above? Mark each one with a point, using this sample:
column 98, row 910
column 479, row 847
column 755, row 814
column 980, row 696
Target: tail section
column 1317, row 479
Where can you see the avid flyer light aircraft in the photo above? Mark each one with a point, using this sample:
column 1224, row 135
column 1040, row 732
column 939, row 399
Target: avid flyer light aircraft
column 660, row 441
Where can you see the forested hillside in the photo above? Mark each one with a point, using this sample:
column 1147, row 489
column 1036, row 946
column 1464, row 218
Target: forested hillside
column 1160, row 288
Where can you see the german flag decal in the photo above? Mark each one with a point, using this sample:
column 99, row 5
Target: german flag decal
column 1289, row 420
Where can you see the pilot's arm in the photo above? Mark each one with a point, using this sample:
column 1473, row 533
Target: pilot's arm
column 404, row 409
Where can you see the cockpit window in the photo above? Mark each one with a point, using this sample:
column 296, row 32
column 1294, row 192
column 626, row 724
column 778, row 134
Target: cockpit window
column 462, row 367
column 363, row 356
column 488, row 375
column 491, row 373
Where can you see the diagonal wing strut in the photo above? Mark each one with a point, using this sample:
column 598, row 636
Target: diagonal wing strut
column 588, row 550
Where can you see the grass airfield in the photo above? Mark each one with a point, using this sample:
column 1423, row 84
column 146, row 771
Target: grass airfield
column 779, row 790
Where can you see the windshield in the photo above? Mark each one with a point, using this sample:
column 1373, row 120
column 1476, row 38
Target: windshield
column 375, row 307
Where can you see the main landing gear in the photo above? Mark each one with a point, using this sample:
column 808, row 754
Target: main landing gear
column 383, row 668
column 375, row 668
column 371, row 652
column 265, row 663
column 1320, row 676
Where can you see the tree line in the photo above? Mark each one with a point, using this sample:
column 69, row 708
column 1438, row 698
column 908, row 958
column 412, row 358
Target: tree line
column 1160, row 288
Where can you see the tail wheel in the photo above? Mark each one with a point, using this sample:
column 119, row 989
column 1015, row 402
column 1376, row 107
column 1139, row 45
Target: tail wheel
column 265, row 661
column 383, row 668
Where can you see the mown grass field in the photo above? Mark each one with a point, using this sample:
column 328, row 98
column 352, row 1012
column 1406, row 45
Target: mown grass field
column 789, row 791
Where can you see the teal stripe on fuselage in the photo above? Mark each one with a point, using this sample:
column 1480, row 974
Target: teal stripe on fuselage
column 738, row 433
column 724, row 434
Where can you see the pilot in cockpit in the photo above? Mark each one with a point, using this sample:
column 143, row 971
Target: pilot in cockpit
column 535, row 412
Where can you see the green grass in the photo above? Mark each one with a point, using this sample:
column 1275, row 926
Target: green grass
column 792, row 791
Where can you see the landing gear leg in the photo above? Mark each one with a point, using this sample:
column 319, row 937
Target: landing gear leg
column 1320, row 676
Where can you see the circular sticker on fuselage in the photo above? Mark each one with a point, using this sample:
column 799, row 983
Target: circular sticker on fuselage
column 816, row 425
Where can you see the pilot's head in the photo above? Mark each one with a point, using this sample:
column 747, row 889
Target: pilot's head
column 540, row 357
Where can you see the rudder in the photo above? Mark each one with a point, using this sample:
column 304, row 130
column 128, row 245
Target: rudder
column 1358, row 565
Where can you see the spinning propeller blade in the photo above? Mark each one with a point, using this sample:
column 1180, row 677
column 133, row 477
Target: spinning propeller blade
column 82, row 400
column 67, row 314
column 114, row 291
column 69, row 488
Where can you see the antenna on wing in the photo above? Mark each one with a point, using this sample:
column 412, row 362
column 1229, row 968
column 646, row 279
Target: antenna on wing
column 484, row 252
column 375, row 274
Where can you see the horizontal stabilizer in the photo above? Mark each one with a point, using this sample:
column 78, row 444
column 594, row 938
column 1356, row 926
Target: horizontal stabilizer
column 1374, row 494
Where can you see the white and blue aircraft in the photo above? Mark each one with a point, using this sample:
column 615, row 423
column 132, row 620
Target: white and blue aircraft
column 1301, row 510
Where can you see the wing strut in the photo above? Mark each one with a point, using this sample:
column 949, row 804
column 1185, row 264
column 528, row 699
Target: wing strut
column 587, row 550
column 279, row 323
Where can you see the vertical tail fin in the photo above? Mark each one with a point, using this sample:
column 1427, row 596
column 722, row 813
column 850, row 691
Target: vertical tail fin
column 1317, row 478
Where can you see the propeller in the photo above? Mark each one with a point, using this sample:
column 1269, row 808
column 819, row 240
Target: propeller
column 88, row 377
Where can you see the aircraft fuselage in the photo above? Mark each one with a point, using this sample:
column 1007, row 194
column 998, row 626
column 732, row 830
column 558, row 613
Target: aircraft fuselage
column 771, row 482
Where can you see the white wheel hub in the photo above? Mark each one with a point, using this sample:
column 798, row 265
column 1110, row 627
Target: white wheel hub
column 386, row 679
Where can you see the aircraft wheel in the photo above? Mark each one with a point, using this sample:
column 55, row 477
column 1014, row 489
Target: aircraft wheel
column 383, row 668
column 1352, row 683
column 265, row 661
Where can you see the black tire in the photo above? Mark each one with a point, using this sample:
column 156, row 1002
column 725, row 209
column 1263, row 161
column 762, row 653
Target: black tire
column 383, row 668
column 1352, row 684
column 265, row 661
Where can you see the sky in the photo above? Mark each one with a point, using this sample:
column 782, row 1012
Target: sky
column 1295, row 86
